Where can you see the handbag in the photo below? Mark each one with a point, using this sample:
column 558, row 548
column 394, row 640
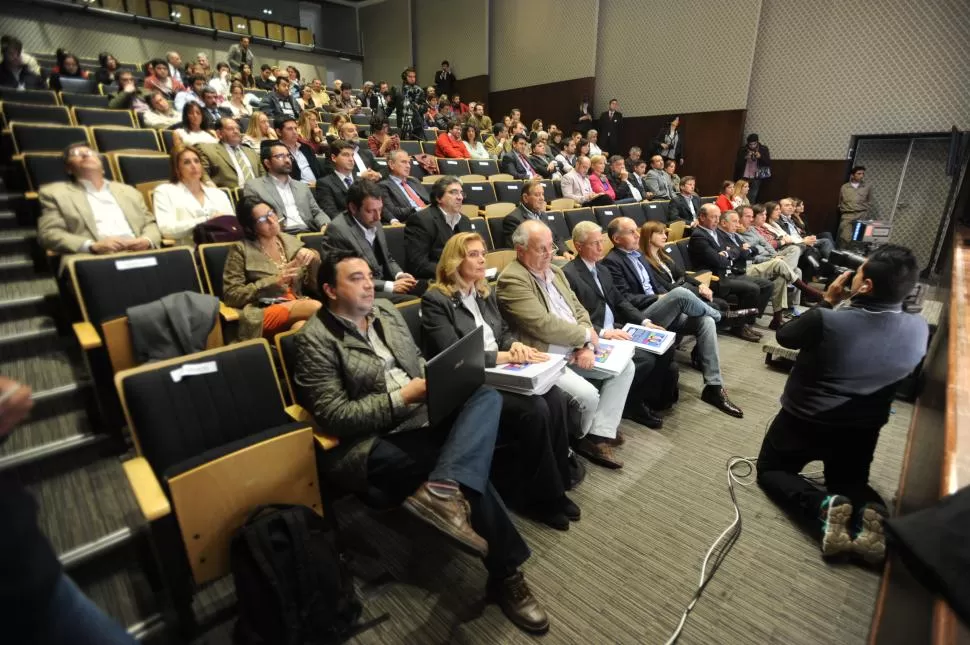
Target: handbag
column 224, row 228
column 763, row 172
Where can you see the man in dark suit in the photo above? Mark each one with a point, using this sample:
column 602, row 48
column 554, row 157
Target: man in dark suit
column 516, row 163
column 638, row 178
column 444, row 79
column 428, row 230
column 305, row 166
column 685, row 205
column 360, row 228
column 212, row 109
column 532, row 205
column 332, row 189
column 709, row 251
column 609, row 310
column 403, row 196
column 611, row 122
column 280, row 102
column 365, row 164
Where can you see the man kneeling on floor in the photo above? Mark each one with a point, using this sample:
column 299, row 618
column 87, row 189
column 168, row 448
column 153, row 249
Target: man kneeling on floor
column 838, row 397
column 358, row 372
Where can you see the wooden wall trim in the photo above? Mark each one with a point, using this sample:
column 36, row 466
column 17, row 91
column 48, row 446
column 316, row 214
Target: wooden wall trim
column 552, row 102
column 474, row 88
column 816, row 181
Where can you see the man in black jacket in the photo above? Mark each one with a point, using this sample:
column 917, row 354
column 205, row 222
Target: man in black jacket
column 611, row 122
column 685, row 205
column 427, row 231
column 709, row 251
column 532, row 205
column 444, row 79
column 837, row 399
column 332, row 190
column 279, row 102
column 403, row 196
column 516, row 163
column 306, row 168
column 360, row 229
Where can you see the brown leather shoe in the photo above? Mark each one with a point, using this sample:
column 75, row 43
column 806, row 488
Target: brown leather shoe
column 717, row 396
column 748, row 334
column 618, row 440
column 599, row 453
column 450, row 515
column 517, row 602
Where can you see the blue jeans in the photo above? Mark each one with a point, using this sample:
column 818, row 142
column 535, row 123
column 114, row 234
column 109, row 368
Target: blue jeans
column 75, row 620
column 664, row 311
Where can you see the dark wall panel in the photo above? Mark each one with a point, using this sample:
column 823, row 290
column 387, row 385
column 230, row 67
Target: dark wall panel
column 552, row 102
column 338, row 28
column 474, row 88
column 817, row 182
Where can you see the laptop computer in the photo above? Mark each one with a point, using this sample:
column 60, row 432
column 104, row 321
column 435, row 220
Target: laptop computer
column 454, row 374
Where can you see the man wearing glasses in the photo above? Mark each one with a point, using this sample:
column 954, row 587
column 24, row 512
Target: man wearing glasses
column 427, row 231
column 291, row 200
column 532, row 205
column 90, row 214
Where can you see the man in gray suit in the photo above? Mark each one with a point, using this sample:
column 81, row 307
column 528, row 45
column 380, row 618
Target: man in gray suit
column 239, row 54
column 658, row 182
column 359, row 228
column 294, row 204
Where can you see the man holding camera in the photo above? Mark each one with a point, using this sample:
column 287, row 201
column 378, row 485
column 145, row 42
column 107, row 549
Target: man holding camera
column 837, row 399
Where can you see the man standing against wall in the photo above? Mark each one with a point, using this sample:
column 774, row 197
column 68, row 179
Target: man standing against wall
column 853, row 203
column 611, row 122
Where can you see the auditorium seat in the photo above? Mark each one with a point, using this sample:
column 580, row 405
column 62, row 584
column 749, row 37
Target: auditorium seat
column 481, row 194
column 676, row 230
column 43, row 168
column 429, row 180
column 606, row 214
column 286, row 352
column 35, row 97
column 411, row 312
column 499, row 209
column 549, row 190
column 634, row 212
column 417, row 170
column 495, row 223
column 656, row 211
column 455, row 167
column 557, row 222
column 412, row 147
column 508, row 191
column 212, row 259
column 71, row 99
column 101, row 116
column 576, row 215
column 234, row 448
column 79, row 85
column 134, row 169
column 34, row 113
column 708, row 200
column 562, row 203
column 35, row 137
column 396, row 244
column 110, row 138
column 430, row 134
column 479, row 226
column 486, row 167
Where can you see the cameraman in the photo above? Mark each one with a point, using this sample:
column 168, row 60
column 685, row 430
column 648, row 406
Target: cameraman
column 753, row 163
column 838, row 397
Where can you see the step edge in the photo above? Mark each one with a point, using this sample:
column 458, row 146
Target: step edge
column 50, row 449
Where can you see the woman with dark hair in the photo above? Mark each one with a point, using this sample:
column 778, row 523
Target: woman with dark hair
column 68, row 67
column 555, row 142
column 724, row 197
column 469, row 136
column 195, row 129
column 185, row 202
column 582, row 148
column 381, row 141
column 265, row 274
column 245, row 76
column 665, row 274
column 669, row 143
column 460, row 301
column 109, row 68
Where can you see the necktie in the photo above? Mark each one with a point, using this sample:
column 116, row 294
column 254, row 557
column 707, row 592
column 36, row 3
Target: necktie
column 528, row 168
column 348, row 181
column 608, row 318
column 413, row 195
column 247, row 172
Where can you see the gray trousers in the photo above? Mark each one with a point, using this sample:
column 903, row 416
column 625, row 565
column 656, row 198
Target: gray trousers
column 780, row 274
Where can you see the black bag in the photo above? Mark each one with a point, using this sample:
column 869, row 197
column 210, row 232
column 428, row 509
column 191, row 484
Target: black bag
column 224, row 228
column 293, row 588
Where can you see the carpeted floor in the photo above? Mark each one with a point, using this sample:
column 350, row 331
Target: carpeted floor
column 624, row 573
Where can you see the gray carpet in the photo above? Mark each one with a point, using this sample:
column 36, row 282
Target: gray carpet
column 624, row 573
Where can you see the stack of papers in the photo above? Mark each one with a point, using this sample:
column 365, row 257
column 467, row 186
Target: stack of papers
column 526, row 378
column 655, row 341
column 613, row 356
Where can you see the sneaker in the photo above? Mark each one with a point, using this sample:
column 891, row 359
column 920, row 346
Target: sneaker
column 870, row 540
column 836, row 514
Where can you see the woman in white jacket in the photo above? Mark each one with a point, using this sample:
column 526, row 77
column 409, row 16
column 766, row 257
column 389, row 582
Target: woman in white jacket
column 185, row 202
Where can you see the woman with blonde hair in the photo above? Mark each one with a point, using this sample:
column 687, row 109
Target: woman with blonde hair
column 740, row 197
column 458, row 302
column 186, row 201
column 266, row 273
column 310, row 132
column 333, row 132
column 598, row 180
column 260, row 129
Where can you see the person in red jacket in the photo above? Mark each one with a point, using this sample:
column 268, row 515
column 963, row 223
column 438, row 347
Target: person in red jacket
column 724, row 198
column 449, row 144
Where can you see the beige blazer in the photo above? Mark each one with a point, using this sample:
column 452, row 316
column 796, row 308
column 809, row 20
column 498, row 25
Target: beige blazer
column 219, row 167
column 66, row 221
column 525, row 306
column 250, row 275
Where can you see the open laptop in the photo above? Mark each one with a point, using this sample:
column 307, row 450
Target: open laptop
column 454, row 374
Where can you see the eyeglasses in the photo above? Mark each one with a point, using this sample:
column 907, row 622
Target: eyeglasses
column 456, row 191
column 84, row 153
column 265, row 218
column 281, row 155
column 553, row 250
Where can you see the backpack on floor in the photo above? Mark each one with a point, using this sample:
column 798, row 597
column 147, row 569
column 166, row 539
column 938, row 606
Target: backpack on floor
column 292, row 586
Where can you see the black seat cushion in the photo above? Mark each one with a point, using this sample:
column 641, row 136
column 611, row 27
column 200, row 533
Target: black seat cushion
column 214, row 260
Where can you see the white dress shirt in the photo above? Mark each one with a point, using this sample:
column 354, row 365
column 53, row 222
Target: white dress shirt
column 195, row 138
column 370, row 234
column 306, row 174
column 178, row 212
column 290, row 219
column 470, row 300
column 109, row 219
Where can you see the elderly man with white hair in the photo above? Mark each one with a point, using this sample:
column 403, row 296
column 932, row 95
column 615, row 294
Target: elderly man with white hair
column 544, row 313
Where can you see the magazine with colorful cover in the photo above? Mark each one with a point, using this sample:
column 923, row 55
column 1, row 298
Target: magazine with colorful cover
column 655, row 341
column 613, row 356
column 526, row 378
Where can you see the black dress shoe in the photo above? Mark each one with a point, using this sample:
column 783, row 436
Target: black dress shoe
column 739, row 313
column 570, row 509
column 717, row 396
column 644, row 416
column 577, row 470
column 549, row 514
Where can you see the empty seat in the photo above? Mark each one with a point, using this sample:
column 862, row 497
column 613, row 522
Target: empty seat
column 212, row 257
column 102, row 116
column 33, row 137
column 508, row 191
column 634, row 212
column 33, row 113
column 36, row 97
column 44, row 168
column 495, row 224
column 360, row 119
column 479, row 226
column 137, row 169
column 499, row 209
column 548, row 190
column 71, row 99
column 417, row 170
column 480, row 194
column 428, row 147
column 430, row 134
column 456, row 167
column 168, row 139
column 395, row 242
column 606, row 214
column 108, row 139
column 576, row 215
column 557, row 222
column 79, row 85
column 655, row 211
column 486, row 167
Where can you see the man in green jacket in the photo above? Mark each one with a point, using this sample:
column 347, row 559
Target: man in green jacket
column 128, row 96
column 360, row 374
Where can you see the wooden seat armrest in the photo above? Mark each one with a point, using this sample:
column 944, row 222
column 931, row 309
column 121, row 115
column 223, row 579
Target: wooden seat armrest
column 299, row 413
column 87, row 335
column 227, row 313
column 704, row 277
column 31, row 195
column 168, row 242
column 148, row 492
